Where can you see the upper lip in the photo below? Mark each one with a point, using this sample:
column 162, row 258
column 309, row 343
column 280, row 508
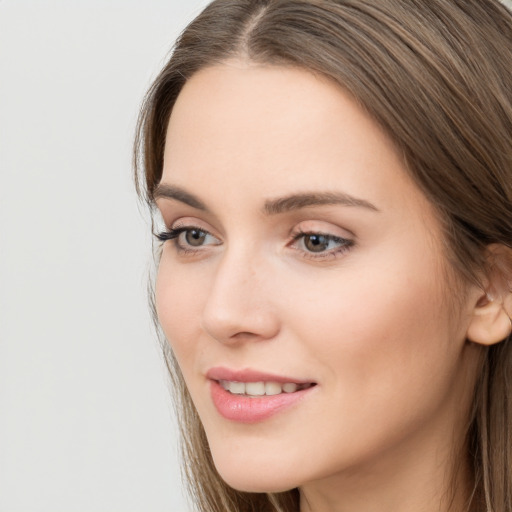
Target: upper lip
column 250, row 375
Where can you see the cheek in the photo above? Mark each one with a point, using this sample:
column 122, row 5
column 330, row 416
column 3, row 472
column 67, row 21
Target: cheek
column 179, row 299
column 379, row 330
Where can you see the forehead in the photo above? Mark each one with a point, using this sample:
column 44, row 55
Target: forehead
column 262, row 131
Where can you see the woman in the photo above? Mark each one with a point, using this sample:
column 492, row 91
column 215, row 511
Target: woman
column 335, row 182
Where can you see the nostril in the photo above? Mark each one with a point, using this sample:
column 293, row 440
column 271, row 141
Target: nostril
column 244, row 334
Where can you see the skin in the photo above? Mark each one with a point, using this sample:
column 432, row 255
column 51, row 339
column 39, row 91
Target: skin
column 372, row 323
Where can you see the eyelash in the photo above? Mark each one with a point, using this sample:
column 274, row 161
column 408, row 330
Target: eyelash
column 345, row 244
column 173, row 234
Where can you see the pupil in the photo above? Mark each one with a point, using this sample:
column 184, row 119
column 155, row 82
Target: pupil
column 195, row 237
column 316, row 243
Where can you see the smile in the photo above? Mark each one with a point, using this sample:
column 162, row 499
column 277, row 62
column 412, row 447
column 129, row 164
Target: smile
column 259, row 389
column 253, row 397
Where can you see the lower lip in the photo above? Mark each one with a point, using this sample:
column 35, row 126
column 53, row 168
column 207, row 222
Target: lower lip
column 244, row 409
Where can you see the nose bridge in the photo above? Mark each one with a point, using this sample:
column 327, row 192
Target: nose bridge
column 239, row 304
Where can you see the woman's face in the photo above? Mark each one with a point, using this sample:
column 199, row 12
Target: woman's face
column 303, row 262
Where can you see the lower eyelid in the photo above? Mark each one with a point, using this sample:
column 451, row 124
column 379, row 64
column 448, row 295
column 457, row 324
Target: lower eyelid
column 326, row 256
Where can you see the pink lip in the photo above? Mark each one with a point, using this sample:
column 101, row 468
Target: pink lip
column 244, row 409
column 249, row 375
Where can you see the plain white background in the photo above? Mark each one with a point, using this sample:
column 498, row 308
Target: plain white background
column 85, row 417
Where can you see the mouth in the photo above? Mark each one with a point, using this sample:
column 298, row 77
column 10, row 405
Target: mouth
column 262, row 388
column 248, row 396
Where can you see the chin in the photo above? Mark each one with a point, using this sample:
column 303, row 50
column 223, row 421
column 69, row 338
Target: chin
column 258, row 484
column 243, row 475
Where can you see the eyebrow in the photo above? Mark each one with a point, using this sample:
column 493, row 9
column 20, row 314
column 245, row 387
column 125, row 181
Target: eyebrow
column 177, row 193
column 289, row 203
column 304, row 200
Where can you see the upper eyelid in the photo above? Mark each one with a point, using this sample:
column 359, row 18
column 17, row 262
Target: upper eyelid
column 181, row 223
column 304, row 227
column 170, row 209
column 332, row 230
column 326, row 232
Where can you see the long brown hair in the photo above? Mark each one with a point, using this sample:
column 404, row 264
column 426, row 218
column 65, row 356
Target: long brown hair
column 437, row 77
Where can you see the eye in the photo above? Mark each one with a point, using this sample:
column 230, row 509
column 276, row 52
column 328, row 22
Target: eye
column 321, row 245
column 188, row 238
column 317, row 242
column 195, row 237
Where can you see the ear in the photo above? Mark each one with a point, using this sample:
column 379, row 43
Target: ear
column 492, row 305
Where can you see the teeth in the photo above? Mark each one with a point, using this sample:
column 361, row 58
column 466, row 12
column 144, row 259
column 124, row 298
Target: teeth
column 237, row 388
column 273, row 388
column 255, row 389
column 290, row 387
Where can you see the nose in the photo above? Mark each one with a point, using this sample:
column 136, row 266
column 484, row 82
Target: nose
column 239, row 306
